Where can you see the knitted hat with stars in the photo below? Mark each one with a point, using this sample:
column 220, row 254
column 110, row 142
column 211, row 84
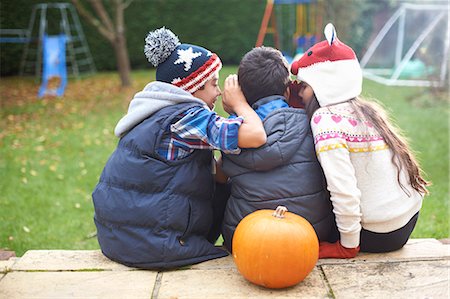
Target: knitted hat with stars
column 186, row 66
column 331, row 68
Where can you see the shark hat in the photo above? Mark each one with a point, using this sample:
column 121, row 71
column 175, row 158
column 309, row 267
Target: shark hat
column 186, row 66
column 331, row 68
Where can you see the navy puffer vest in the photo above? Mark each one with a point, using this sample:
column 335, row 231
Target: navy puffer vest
column 152, row 213
column 284, row 171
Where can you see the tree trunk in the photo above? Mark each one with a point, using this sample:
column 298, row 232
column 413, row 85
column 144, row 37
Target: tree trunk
column 122, row 59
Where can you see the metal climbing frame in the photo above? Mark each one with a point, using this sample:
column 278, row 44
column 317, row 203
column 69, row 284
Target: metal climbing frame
column 79, row 58
column 400, row 58
column 292, row 23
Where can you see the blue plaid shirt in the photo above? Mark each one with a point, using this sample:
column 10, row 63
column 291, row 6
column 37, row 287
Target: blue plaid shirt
column 200, row 128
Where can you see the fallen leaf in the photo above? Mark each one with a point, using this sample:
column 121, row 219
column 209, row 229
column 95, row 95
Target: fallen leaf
column 41, row 138
column 91, row 235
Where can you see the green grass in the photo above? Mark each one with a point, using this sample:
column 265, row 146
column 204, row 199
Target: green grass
column 52, row 152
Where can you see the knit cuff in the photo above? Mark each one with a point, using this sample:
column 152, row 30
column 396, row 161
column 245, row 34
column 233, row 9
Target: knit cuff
column 350, row 240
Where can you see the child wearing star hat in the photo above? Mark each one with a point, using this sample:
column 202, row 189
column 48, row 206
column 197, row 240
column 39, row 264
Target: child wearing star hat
column 376, row 185
column 156, row 206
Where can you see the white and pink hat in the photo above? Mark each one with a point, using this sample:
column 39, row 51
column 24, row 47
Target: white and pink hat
column 331, row 68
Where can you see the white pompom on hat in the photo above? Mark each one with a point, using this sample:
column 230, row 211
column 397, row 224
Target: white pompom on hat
column 331, row 68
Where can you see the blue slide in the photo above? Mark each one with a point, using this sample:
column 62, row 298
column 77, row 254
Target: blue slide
column 54, row 64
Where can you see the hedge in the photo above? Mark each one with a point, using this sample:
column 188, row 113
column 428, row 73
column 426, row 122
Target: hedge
column 227, row 27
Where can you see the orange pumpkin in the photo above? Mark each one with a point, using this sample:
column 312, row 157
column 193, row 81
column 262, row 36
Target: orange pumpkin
column 275, row 249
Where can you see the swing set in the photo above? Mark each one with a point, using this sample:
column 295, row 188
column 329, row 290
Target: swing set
column 52, row 56
column 294, row 25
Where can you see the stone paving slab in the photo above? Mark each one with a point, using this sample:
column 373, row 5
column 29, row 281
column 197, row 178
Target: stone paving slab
column 221, row 263
column 228, row 283
column 415, row 249
column 420, row 270
column 6, row 266
column 60, row 285
column 66, row 260
column 74, row 260
column 417, row 279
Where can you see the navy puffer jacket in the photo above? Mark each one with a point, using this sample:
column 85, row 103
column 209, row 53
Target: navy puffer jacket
column 152, row 213
column 284, row 171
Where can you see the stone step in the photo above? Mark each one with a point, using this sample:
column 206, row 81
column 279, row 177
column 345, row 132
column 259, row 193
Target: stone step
column 420, row 270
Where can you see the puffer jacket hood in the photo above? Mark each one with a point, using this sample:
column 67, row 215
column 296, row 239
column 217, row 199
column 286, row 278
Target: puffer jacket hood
column 155, row 96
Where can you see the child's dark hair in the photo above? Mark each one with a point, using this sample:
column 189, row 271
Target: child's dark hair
column 263, row 72
column 402, row 157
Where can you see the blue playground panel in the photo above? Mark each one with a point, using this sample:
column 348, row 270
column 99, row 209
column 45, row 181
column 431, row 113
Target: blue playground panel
column 14, row 40
column 305, row 42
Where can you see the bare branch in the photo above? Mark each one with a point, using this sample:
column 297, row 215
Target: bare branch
column 109, row 35
column 126, row 4
column 84, row 12
column 102, row 14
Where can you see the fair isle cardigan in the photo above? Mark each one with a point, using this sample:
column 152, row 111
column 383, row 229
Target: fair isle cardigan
column 361, row 176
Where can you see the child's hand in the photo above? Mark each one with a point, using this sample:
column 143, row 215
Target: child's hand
column 294, row 100
column 251, row 133
column 232, row 95
column 220, row 176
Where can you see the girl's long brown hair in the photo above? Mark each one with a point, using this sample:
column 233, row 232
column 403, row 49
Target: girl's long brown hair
column 402, row 156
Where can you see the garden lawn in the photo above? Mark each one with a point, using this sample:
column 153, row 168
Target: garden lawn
column 52, row 152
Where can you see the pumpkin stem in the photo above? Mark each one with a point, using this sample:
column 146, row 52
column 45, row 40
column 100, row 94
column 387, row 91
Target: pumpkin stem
column 279, row 212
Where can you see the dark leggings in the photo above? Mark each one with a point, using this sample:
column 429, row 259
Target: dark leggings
column 385, row 242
